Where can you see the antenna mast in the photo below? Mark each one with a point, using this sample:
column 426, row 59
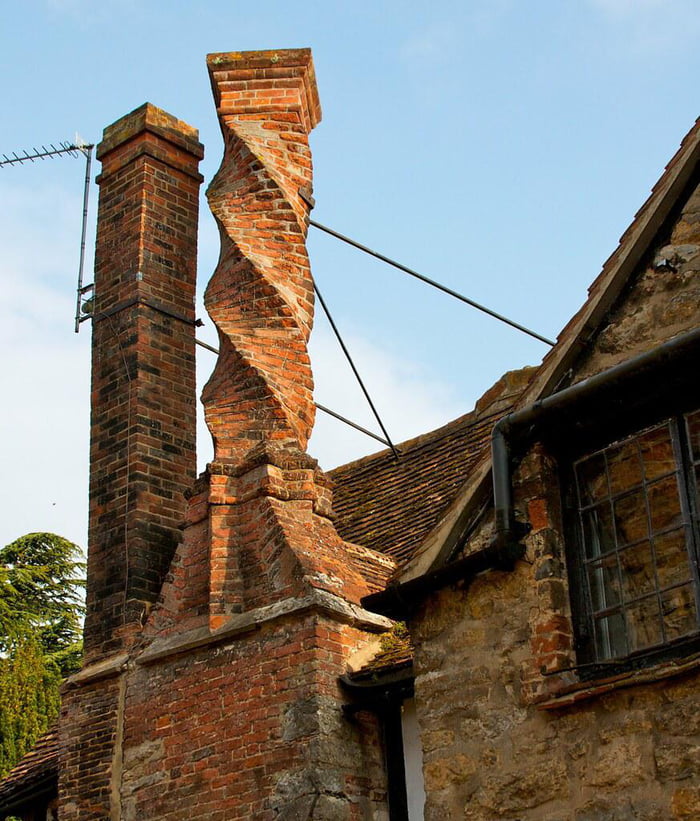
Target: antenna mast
column 74, row 149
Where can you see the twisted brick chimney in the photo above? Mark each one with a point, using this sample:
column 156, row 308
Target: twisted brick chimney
column 261, row 295
column 234, row 703
column 270, row 529
column 211, row 688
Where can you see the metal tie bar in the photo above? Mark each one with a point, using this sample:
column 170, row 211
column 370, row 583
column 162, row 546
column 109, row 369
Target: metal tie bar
column 432, row 282
column 354, row 369
column 320, row 407
column 356, row 426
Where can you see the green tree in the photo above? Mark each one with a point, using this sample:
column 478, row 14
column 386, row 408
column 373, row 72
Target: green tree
column 41, row 610
column 29, row 699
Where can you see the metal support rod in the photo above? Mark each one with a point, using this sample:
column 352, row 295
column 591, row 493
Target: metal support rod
column 86, row 194
column 207, row 346
column 432, row 282
column 353, row 424
column 354, row 370
column 320, row 407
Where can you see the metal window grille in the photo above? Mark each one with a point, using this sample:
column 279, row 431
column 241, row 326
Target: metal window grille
column 637, row 503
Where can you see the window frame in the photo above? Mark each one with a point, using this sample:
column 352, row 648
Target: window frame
column 590, row 664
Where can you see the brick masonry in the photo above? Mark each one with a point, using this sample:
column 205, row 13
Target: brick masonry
column 213, row 667
column 235, row 705
column 261, row 294
column 142, row 452
column 142, row 448
column 251, row 728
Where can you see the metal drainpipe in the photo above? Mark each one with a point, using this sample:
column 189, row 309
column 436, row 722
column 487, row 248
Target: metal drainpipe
column 514, row 426
column 397, row 601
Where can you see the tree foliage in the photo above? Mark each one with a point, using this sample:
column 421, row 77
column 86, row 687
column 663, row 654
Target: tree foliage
column 41, row 610
column 29, row 699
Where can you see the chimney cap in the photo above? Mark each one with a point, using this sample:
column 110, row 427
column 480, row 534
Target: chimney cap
column 271, row 64
column 148, row 117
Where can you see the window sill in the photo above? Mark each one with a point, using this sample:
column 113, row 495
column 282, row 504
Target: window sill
column 568, row 695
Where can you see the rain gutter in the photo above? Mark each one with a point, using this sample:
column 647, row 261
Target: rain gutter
column 606, row 397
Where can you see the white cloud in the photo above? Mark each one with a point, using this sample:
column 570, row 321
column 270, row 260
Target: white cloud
column 434, row 42
column 408, row 400
column 442, row 41
column 649, row 28
column 44, row 446
column 625, row 8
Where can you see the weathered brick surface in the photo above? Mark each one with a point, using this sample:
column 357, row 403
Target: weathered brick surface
column 261, row 294
column 142, row 454
column 250, row 728
column 497, row 743
column 228, row 706
column 89, row 729
column 142, row 451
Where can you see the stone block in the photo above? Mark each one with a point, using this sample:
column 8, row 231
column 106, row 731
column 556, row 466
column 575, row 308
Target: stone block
column 676, row 761
column 618, row 764
column 685, row 804
column 513, row 791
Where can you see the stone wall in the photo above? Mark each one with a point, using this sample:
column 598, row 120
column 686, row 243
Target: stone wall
column 510, row 729
column 490, row 753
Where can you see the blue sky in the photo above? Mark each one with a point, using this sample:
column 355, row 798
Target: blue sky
column 499, row 146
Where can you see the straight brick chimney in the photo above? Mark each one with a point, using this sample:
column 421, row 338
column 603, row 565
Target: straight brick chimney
column 142, row 448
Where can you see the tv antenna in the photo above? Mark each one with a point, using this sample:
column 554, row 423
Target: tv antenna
column 65, row 149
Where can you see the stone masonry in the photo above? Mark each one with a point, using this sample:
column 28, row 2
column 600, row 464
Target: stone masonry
column 508, row 733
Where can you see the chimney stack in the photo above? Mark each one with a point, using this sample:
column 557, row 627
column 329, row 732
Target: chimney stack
column 228, row 705
column 142, row 448
column 261, row 295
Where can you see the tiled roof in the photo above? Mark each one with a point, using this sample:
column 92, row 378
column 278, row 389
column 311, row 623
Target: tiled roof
column 391, row 505
column 374, row 567
column 34, row 772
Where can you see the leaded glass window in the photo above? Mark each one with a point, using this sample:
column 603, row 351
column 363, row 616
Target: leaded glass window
column 637, row 503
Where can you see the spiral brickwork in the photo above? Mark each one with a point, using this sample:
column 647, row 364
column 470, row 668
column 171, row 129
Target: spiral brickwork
column 261, row 294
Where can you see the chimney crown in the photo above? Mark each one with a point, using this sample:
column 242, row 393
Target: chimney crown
column 266, row 82
column 148, row 117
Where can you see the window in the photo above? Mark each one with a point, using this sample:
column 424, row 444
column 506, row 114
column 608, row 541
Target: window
column 637, row 564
